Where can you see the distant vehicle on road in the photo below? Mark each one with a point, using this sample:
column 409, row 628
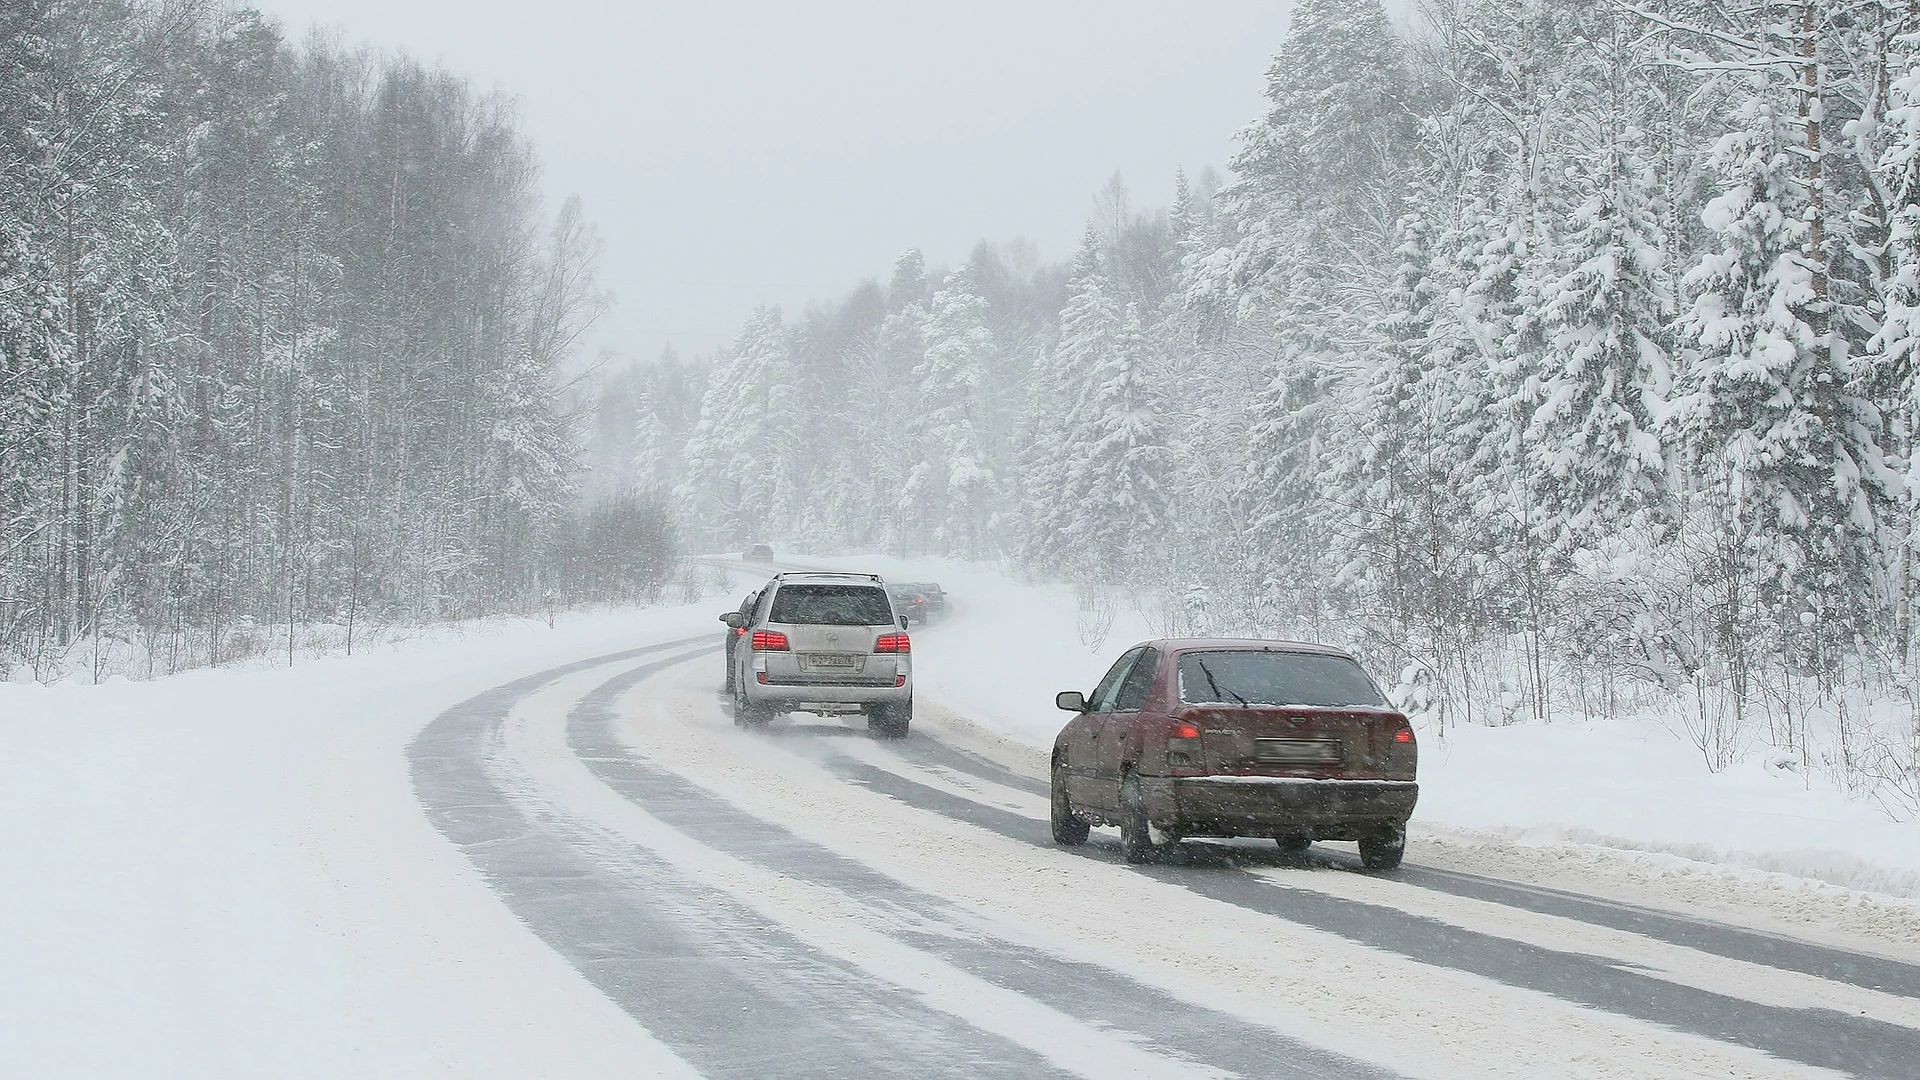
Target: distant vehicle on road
column 758, row 553
column 831, row 644
column 1236, row 738
column 734, row 635
column 918, row 600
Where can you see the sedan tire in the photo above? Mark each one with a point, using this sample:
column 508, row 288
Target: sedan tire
column 1068, row 829
column 1294, row 844
column 1137, row 840
column 1382, row 850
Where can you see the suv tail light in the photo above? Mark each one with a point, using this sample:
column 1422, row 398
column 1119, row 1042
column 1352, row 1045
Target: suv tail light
column 769, row 641
column 893, row 643
column 1404, row 735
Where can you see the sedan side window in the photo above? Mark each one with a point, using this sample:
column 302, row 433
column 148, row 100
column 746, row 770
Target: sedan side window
column 1109, row 688
column 1132, row 696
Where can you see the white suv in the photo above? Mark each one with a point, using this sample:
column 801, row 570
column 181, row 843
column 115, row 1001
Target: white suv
column 831, row 644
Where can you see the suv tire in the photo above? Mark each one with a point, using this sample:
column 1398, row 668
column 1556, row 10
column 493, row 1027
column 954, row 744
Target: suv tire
column 748, row 715
column 1068, row 830
column 889, row 720
column 1382, row 850
column 1294, row 843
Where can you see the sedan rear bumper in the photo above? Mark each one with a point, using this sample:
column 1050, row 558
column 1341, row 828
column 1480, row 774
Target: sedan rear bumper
column 1276, row 805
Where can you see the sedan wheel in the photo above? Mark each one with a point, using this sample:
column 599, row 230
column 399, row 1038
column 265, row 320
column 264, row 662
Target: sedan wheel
column 1137, row 840
column 1294, row 844
column 1382, row 850
column 1068, row 830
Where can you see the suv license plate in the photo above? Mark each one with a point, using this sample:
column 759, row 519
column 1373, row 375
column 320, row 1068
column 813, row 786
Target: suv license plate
column 837, row 661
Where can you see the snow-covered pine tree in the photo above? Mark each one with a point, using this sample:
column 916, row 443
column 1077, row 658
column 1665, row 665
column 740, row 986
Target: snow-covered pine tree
column 1782, row 458
column 1055, row 428
column 950, row 488
column 1117, row 476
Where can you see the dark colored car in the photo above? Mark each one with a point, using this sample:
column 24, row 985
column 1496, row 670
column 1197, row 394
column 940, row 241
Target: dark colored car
column 918, row 600
column 1236, row 738
column 734, row 634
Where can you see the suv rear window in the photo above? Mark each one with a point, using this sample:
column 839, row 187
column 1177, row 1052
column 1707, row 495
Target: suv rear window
column 1245, row 677
column 831, row 605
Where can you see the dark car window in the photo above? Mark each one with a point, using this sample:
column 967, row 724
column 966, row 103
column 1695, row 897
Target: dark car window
column 1133, row 689
column 1245, row 677
column 1103, row 695
column 831, row 605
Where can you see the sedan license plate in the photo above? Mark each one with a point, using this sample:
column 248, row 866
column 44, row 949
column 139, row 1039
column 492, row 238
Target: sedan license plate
column 833, row 661
column 1297, row 751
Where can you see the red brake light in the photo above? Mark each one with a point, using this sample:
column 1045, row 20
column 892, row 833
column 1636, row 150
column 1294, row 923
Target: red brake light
column 769, row 641
column 1184, row 731
column 1404, row 735
column 893, row 643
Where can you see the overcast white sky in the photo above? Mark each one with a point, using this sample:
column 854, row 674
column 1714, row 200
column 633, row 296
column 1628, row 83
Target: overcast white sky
column 738, row 153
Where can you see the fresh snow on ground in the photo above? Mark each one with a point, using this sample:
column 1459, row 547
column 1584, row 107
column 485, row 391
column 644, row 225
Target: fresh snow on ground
column 225, row 874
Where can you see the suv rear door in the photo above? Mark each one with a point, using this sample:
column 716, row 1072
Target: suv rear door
column 831, row 629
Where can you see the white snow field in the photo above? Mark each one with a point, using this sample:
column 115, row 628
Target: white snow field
column 381, row 865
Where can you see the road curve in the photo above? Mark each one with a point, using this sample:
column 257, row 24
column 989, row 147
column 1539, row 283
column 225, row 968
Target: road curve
column 760, row 903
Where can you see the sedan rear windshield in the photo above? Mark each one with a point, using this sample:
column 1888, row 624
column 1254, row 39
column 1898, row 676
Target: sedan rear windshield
column 831, row 605
column 1244, row 677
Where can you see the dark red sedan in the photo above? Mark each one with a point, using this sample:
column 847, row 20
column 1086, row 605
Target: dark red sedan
column 1236, row 738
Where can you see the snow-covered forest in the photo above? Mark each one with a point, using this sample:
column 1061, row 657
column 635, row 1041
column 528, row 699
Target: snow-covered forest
column 1556, row 353
column 279, row 338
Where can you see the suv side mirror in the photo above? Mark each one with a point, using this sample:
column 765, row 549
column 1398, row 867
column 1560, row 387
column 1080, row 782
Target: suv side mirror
column 1070, row 700
column 903, row 622
column 734, row 619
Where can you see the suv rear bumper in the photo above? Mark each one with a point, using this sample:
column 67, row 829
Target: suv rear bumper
column 1272, row 805
column 796, row 695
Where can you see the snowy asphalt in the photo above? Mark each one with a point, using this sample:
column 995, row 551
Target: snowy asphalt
column 736, row 993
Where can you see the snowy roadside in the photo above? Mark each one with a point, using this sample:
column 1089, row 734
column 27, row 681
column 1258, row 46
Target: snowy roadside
column 226, row 873
column 1571, row 793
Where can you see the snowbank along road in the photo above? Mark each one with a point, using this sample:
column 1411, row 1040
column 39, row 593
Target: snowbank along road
column 809, row 902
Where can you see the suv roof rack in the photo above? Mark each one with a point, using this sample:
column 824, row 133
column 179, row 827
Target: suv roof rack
column 825, row 573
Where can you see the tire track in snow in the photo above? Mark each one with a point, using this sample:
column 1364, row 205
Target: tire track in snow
column 1814, row 1036
column 1089, row 992
column 731, row 993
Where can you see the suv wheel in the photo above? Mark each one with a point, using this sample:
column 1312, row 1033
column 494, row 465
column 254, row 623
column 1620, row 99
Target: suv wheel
column 1294, row 843
column 890, row 721
column 746, row 714
column 1068, row 830
column 1382, row 850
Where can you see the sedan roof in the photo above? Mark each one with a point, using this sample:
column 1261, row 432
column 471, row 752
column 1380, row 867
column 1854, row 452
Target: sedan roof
column 1180, row 645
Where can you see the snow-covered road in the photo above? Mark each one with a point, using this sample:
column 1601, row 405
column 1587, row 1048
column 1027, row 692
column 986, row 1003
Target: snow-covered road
column 808, row 902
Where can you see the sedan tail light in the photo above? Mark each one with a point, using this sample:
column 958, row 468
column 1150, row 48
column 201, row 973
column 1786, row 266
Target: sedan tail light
column 892, row 643
column 769, row 641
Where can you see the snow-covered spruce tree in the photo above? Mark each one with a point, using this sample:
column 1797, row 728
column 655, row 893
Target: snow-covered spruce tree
column 1308, row 220
column 950, row 489
column 1117, row 474
column 1056, row 430
column 734, row 490
column 1782, row 459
